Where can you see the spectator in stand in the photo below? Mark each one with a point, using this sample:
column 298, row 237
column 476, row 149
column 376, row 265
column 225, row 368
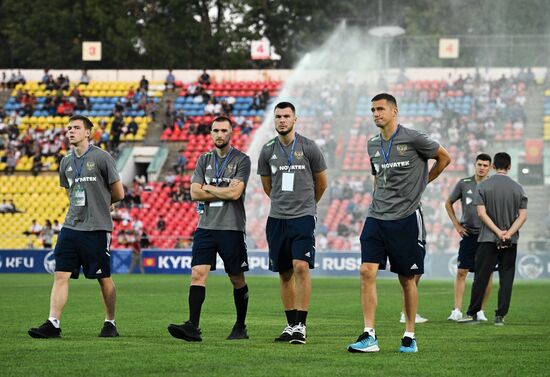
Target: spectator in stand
column 20, row 79
column 84, row 78
column 34, row 228
column 170, row 82
column 11, row 162
column 181, row 162
column 144, row 84
column 144, row 240
column 161, row 224
column 132, row 127
column 151, row 109
column 36, row 163
column 4, row 82
column 209, row 108
column 46, row 235
column 169, row 113
column 169, row 180
column 56, row 226
column 4, row 207
column 204, row 78
column 116, row 130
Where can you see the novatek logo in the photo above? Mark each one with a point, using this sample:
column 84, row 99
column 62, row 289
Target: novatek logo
column 85, row 179
column 49, row 262
column 399, row 164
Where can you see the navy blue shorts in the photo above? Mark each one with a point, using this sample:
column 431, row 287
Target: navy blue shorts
column 230, row 244
column 401, row 241
column 290, row 239
column 87, row 249
column 467, row 253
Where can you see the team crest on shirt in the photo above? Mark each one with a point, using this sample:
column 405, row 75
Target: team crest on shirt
column 231, row 168
column 401, row 149
column 90, row 165
column 299, row 155
column 273, row 169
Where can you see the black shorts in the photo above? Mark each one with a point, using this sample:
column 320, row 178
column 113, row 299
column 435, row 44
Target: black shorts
column 467, row 253
column 290, row 239
column 230, row 244
column 401, row 241
column 89, row 249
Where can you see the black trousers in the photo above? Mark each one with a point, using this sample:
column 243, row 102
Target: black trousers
column 487, row 257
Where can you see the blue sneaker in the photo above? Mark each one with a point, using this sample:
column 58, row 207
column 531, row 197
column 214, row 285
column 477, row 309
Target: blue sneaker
column 408, row 345
column 365, row 343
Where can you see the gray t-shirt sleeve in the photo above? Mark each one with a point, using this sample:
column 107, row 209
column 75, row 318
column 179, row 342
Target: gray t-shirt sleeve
column 264, row 168
column 243, row 171
column 478, row 197
column 63, row 181
column 110, row 168
column 425, row 146
column 523, row 201
column 315, row 157
column 456, row 193
column 198, row 174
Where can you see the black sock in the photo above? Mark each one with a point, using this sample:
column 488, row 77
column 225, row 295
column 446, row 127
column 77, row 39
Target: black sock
column 240, row 297
column 301, row 316
column 291, row 316
column 197, row 293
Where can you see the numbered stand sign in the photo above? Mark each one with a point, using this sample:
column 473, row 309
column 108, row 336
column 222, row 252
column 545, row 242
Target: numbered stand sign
column 448, row 48
column 91, row 51
column 260, row 50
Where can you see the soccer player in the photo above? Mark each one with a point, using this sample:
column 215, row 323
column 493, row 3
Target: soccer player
column 89, row 174
column 218, row 186
column 293, row 174
column 468, row 229
column 502, row 207
column 394, row 227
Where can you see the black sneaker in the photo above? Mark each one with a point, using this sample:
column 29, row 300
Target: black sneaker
column 286, row 335
column 238, row 332
column 108, row 330
column 46, row 330
column 298, row 334
column 499, row 320
column 187, row 331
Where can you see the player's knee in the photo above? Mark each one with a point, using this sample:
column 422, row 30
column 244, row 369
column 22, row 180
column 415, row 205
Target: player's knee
column 237, row 281
column 367, row 273
column 301, row 268
column 461, row 274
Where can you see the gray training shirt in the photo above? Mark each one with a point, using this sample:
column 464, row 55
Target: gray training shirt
column 96, row 176
column 465, row 190
column 503, row 198
column 307, row 160
column 223, row 214
column 401, row 180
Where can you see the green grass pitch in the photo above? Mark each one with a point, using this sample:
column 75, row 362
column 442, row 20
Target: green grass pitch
column 147, row 304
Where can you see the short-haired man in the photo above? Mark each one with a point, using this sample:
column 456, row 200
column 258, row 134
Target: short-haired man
column 502, row 207
column 92, row 181
column 468, row 228
column 394, row 228
column 293, row 173
column 218, row 185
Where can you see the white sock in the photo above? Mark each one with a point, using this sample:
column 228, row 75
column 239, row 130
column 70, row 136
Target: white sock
column 408, row 334
column 110, row 320
column 371, row 331
column 54, row 321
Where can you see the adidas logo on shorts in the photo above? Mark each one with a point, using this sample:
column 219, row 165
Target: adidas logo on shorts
column 414, row 267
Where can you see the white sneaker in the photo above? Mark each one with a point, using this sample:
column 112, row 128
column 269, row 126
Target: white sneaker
column 456, row 315
column 419, row 319
column 481, row 316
